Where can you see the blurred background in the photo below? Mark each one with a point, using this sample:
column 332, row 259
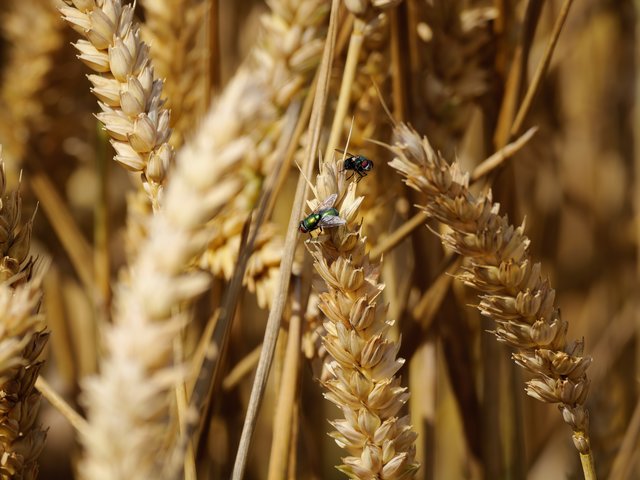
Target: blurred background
column 575, row 183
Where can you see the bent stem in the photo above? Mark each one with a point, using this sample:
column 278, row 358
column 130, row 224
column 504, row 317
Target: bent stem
column 348, row 76
column 541, row 70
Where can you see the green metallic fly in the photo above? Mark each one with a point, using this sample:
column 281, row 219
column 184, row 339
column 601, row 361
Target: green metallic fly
column 325, row 216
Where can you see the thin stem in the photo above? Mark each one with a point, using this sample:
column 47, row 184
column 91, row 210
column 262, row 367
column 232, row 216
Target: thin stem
column 275, row 315
column 242, row 369
column 495, row 160
column 73, row 417
column 588, row 466
column 541, row 70
column 64, row 225
column 355, row 45
column 285, row 406
column 393, row 239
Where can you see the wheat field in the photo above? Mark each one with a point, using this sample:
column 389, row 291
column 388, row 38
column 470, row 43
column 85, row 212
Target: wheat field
column 319, row 239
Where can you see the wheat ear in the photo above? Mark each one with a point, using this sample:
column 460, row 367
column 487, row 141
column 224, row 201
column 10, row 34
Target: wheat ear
column 362, row 381
column 128, row 94
column 515, row 295
column 451, row 85
column 23, row 335
column 284, row 60
column 128, row 402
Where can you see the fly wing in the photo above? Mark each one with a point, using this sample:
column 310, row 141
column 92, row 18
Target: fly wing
column 329, row 221
column 328, row 202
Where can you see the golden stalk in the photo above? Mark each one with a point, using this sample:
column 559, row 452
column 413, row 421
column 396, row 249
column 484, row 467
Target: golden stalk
column 283, row 423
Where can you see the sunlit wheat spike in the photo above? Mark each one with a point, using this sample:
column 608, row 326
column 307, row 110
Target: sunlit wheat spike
column 363, row 369
column 134, row 388
column 129, row 94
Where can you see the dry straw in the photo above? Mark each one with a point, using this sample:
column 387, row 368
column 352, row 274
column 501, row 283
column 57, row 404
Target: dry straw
column 23, row 335
column 362, row 382
column 128, row 93
column 515, row 294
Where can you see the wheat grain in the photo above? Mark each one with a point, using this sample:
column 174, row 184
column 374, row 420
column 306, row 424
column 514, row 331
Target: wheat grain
column 515, row 294
column 364, row 364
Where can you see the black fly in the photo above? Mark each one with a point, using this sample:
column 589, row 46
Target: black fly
column 358, row 164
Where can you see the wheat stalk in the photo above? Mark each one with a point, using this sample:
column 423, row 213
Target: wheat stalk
column 24, row 75
column 23, row 335
column 362, row 379
column 514, row 293
column 133, row 391
column 128, row 93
